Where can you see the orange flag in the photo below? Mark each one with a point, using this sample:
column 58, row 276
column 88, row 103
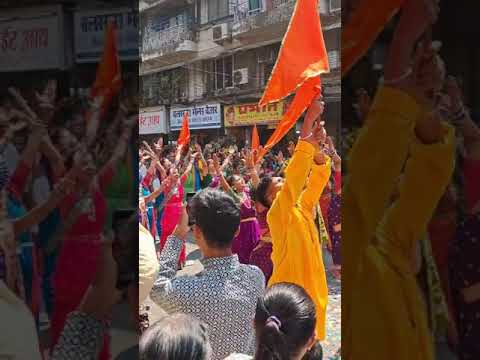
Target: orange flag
column 184, row 136
column 361, row 30
column 108, row 81
column 303, row 98
column 255, row 138
column 302, row 54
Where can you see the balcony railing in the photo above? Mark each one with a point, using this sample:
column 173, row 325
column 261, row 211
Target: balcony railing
column 247, row 19
column 165, row 41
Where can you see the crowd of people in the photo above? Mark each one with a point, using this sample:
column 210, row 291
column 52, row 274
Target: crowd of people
column 260, row 225
column 63, row 174
column 411, row 208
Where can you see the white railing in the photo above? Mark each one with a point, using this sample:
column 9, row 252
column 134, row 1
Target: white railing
column 165, row 41
column 246, row 18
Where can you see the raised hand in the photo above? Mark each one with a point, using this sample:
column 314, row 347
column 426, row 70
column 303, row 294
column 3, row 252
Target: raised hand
column 249, row 162
column 310, row 125
column 159, row 144
column 280, row 158
column 216, row 162
column 363, row 103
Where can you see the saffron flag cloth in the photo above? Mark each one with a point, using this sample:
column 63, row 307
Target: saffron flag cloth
column 184, row 136
column 255, row 138
column 302, row 55
column 108, row 81
column 361, row 30
column 303, row 98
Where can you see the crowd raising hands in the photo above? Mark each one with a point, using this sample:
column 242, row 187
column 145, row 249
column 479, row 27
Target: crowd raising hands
column 236, row 206
column 54, row 209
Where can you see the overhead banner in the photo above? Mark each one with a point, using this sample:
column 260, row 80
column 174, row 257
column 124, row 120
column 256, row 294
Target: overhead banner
column 152, row 121
column 90, row 29
column 250, row 114
column 32, row 43
column 206, row 116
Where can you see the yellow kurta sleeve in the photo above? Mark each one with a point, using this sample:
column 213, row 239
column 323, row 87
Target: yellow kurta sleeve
column 147, row 263
column 375, row 163
column 317, row 181
column 427, row 174
column 295, row 178
column 377, row 159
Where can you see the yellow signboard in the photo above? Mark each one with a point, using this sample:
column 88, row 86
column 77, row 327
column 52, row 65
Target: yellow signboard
column 250, row 114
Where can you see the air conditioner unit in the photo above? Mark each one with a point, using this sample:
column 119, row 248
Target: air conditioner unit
column 240, row 76
column 220, row 32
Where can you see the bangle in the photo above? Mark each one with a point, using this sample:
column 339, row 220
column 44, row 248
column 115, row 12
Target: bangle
column 396, row 80
column 306, row 137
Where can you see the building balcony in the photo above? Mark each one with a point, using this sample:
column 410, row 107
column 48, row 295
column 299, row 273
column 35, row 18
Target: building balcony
column 268, row 24
column 167, row 5
column 169, row 46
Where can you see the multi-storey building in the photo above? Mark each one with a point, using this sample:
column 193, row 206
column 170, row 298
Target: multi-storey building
column 64, row 40
column 221, row 53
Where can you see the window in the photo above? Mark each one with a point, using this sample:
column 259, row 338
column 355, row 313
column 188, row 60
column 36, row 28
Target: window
column 221, row 73
column 266, row 71
column 254, row 5
column 335, row 5
column 218, row 9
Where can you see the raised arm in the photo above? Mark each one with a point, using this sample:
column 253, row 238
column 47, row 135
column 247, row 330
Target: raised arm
column 108, row 170
column 40, row 212
column 251, row 168
column 429, row 164
column 300, row 165
column 317, row 181
column 166, row 184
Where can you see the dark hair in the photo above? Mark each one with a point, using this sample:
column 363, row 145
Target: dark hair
column 217, row 215
column 175, row 337
column 232, row 179
column 284, row 322
column 260, row 193
column 315, row 353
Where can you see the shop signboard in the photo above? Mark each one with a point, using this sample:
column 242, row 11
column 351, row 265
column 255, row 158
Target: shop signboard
column 152, row 121
column 90, row 29
column 206, row 116
column 250, row 114
column 32, row 39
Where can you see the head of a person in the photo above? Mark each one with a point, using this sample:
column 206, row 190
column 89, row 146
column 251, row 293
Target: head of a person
column 237, row 183
column 211, row 166
column 285, row 322
column 268, row 189
column 216, row 218
column 175, row 337
column 291, row 147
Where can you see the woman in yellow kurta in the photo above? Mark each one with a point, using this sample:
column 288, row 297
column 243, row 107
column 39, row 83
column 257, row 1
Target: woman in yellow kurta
column 297, row 253
column 384, row 314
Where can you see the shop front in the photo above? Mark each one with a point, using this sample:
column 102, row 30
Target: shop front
column 205, row 122
column 89, row 40
column 34, row 47
column 152, row 123
column 240, row 119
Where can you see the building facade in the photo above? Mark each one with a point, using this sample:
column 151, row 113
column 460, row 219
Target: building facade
column 64, row 41
column 220, row 53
